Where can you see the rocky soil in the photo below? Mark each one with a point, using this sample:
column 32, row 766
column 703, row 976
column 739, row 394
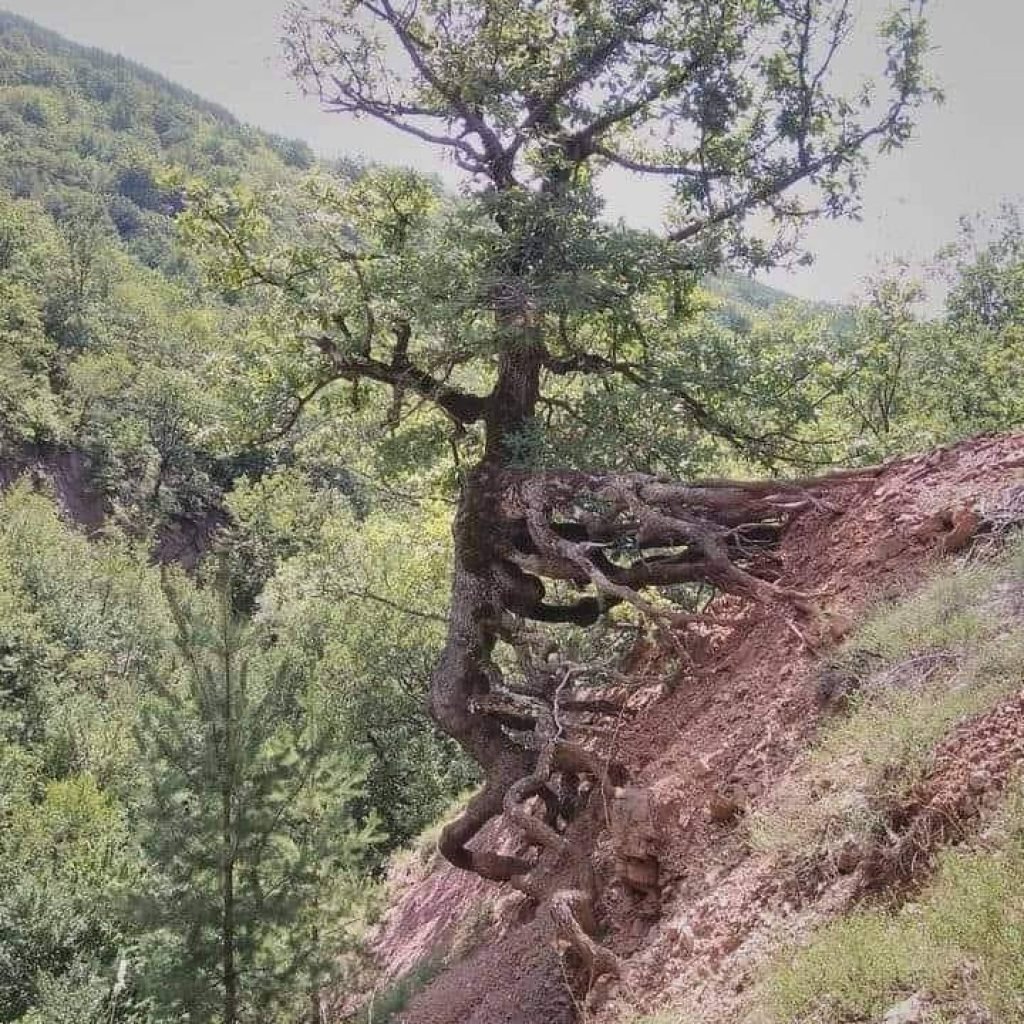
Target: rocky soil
column 729, row 729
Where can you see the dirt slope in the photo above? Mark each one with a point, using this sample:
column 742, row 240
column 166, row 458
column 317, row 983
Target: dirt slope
column 727, row 733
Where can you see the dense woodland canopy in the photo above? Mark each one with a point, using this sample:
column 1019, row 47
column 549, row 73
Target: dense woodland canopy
column 272, row 376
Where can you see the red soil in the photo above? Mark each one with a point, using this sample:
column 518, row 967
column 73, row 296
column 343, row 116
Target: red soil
column 734, row 721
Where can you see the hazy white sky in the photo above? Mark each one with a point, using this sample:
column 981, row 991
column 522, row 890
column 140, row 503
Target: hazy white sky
column 968, row 155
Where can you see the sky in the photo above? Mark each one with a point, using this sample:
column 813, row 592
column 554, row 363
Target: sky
column 966, row 158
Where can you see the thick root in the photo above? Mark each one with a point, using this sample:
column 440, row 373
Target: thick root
column 616, row 537
column 572, row 915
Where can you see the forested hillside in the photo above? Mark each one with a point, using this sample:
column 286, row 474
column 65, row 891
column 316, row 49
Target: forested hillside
column 108, row 356
column 242, row 396
column 104, row 339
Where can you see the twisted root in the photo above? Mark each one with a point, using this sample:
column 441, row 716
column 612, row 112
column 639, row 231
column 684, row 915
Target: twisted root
column 616, row 536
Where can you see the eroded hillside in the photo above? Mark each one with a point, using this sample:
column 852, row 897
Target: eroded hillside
column 721, row 752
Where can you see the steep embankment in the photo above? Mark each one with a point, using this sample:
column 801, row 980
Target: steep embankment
column 726, row 738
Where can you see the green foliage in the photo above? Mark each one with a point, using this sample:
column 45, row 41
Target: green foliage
column 196, row 386
column 104, row 333
column 855, row 968
column 82, row 629
column 102, row 863
column 64, row 858
column 362, row 611
column 81, row 634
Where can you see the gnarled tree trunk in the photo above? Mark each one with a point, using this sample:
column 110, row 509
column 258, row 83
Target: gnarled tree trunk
column 615, row 536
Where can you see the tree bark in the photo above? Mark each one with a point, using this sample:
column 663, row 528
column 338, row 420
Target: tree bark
column 228, row 967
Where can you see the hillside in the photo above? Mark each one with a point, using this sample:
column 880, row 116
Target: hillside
column 353, row 528
column 78, row 119
column 779, row 803
column 105, row 322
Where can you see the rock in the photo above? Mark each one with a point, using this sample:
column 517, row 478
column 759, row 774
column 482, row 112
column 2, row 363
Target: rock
column 633, row 828
column 639, row 872
column 849, row 856
column 840, row 625
column 910, row 1011
column 635, row 839
column 934, row 525
column 680, row 934
column 888, row 548
column 727, row 804
column 979, row 781
column 965, row 525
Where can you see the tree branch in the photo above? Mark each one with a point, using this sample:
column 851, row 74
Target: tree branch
column 801, row 172
column 462, row 406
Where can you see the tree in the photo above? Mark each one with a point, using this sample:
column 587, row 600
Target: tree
column 484, row 309
column 250, row 829
column 887, row 346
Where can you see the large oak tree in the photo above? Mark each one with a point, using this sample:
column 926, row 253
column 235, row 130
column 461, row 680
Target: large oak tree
column 485, row 308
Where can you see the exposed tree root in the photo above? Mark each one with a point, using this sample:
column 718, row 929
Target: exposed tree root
column 618, row 540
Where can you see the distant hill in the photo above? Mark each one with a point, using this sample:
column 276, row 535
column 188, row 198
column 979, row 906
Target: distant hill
column 75, row 120
column 104, row 319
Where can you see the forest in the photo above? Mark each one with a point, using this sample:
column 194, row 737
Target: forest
column 327, row 492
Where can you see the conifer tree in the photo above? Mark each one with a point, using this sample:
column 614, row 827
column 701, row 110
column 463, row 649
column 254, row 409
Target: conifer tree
column 249, row 827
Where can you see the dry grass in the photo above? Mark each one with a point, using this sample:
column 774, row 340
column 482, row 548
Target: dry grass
column 918, row 668
column 385, row 1005
column 961, row 945
column 938, row 658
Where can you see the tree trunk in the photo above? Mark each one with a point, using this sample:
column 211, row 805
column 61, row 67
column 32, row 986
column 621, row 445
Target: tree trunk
column 513, row 530
column 229, row 972
column 227, row 767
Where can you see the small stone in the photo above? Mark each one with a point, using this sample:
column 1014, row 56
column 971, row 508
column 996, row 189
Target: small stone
column 910, row 1011
column 681, row 936
column 966, row 523
column 979, row 780
column 888, row 548
column 727, row 804
column 848, row 857
column 839, row 626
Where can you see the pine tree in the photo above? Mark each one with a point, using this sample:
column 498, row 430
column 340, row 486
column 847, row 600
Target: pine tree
column 249, row 827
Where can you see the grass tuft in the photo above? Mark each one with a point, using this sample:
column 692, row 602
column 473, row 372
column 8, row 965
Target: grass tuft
column 855, row 968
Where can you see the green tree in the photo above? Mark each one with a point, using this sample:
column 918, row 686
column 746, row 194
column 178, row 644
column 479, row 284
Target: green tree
column 479, row 308
column 249, row 828
column 65, row 857
column 885, row 361
column 980, row 342
column 361, row 613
